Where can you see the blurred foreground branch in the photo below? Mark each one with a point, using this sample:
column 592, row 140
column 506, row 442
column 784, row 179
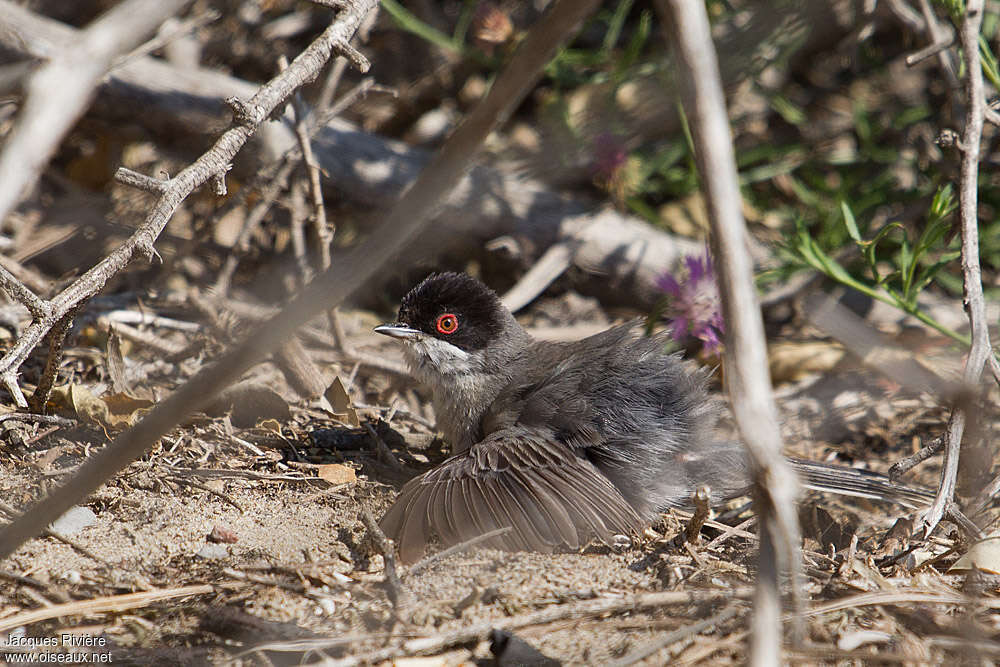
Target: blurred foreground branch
column 747, row 377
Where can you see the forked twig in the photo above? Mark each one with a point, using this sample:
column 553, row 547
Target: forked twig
column 971, row 274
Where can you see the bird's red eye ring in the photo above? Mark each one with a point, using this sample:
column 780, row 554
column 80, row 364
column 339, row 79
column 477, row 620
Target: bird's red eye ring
column 447, row 324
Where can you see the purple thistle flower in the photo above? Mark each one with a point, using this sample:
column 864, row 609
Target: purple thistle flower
column 609, row 156
column 694, row 303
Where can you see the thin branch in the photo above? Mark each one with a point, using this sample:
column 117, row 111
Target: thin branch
column 38, row 307
column 398, row 594
column 42, row 419
column 322, row 231
column 276, row 180
column 971, row 274
column 928, row 51
column 60, row 91
column 904, row 465
column 214, row 162
column 937, row 35
column 56, row 336
column 687, row 31
column 163, row 38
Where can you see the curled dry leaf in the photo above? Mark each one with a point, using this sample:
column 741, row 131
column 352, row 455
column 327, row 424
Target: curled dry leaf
column 113, row 412
column 983, row 555
column 340, row 403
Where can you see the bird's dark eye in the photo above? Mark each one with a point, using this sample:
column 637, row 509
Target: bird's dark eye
column 447, row 323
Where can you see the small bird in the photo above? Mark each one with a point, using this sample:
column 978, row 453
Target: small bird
column 563, row 442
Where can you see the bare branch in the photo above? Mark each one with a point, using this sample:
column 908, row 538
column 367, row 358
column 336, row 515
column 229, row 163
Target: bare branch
column 56, row 336
column 214, row 162
column 38, row 307
column 60, row 91
column 687, row 31
column 971, row 274
column 937, row 35
column 139, row 181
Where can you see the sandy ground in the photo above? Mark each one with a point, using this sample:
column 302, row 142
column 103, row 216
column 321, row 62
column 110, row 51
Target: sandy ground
column 297, row 578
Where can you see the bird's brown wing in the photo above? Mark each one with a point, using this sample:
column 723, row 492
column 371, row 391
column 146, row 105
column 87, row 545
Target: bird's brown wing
column 551, row 498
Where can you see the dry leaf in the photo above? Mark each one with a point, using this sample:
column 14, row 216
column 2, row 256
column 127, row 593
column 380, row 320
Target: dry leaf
column 336, row 394
column 983, row 555
column 272, row 425
column 336, row 473
column 114, row 412
column 125, row 410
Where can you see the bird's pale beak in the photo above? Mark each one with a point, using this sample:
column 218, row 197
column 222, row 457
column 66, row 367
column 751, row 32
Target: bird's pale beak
column 398, row 330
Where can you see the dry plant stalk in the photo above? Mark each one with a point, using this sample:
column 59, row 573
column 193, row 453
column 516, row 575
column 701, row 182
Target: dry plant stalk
column 980, row 351
column 749, row 385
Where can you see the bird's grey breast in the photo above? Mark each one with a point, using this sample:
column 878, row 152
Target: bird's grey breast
column 461, row 387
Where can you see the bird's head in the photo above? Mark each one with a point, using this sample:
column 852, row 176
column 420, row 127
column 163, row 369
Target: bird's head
column 454, row 324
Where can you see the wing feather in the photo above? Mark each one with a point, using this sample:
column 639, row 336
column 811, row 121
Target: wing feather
column 552, row 497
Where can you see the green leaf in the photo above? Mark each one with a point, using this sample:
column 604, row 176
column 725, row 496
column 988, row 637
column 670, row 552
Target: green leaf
column 989, row 62
column 906, row 265
column 615, row 27
column 639, row 38
column 852, row 226
column 929, row 273
column 943, row 203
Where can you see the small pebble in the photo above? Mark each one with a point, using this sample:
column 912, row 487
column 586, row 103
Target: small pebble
column 73, row 521
column 213, row 551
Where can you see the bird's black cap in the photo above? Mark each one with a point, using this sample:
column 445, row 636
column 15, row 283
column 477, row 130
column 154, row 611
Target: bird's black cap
column 479, row 316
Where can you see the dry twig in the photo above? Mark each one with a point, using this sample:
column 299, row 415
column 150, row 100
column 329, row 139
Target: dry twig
column 103, row 605
column 971, row 274
column 746, row 363
column 398, row 594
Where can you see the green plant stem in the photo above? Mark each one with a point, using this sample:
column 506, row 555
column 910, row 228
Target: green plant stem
column 409, row 22
column 894, row 301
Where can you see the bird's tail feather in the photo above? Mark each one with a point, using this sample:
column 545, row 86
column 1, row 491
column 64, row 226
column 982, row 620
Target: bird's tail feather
column 846, row 481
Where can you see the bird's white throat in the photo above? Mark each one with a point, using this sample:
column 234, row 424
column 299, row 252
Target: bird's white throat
column 452, row 375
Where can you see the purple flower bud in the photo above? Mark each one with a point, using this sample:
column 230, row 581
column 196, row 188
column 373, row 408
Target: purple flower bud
column 694, row 306
column 609, row 155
